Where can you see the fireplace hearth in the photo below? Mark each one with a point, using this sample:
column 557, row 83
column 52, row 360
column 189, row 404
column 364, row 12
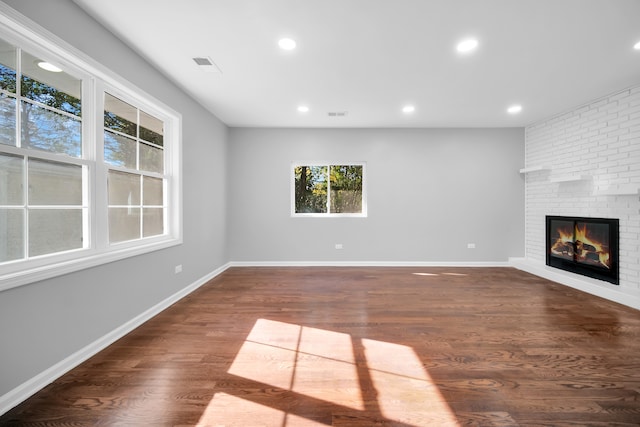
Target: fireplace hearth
column 586, row 246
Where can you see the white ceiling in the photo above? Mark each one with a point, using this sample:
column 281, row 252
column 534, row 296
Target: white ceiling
column 372, row 57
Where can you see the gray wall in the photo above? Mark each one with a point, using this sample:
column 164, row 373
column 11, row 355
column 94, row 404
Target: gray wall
column 42, row 323
column 430, row 192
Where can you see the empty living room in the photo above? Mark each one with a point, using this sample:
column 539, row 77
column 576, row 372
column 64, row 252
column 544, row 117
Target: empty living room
column 319, row 213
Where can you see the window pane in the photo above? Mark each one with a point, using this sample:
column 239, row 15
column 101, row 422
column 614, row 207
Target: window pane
column 7, row 120
column 120, row 116
column 54, row 230
column 55, row 89
column 151, row 129
column 151, row 158
column 124, row 189
column 346, row 189
column 119, row 150
column 7, row 67
column 311, row 189
column 152, row 222
column 11, row 180
column 7, row 79
column 152, row 191
column 124, row 224
column 11, row 234
column 146, row 129
column 50, row 131
column 52, row 183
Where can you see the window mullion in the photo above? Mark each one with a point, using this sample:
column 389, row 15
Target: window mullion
column 328, row 189
column 25, row 207
column 100, row 199
column 141, row 207
column 137, row 139
column 18, row 96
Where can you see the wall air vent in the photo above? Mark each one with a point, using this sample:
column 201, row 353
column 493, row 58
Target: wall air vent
column 337, row 113
column 207, row 65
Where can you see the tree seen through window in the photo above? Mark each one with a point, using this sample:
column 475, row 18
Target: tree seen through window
column 333, row 189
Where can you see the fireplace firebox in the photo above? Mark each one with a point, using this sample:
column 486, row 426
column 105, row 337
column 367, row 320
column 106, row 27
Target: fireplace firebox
column 586, row 246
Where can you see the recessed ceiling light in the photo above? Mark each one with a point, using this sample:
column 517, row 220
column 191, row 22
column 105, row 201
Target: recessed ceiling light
column 467, row 45
column 407, row 109
column 49, row 67
column 636, row 46
column 287, row 44
column 514, row 109
column 303, row 109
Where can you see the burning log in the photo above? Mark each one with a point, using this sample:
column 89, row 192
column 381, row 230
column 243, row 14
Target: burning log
column 563, row 248
column 591, row 254
column 585, row 247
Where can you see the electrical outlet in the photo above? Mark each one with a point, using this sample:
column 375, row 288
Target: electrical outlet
column 471, row 245
column 178, row 268
column 338, row 245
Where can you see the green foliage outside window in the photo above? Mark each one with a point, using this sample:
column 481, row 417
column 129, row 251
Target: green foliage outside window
column 311, row 189
column 46, row 129
column 336, row 189
column 346, row 189
column 50, row 96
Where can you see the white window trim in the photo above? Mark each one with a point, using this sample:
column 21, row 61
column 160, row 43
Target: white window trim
column 295, row 214
column 25, row 33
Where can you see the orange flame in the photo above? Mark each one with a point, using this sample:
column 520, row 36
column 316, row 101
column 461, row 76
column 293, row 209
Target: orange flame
column 582, row 245
column 585, row 241
column 563, row 246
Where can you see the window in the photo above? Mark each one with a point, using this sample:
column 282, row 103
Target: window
column 89, row 165
column 134, row 151
column 42, row 200
column 329, row 190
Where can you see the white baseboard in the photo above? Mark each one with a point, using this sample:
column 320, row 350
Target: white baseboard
column 586, row 284
column 367, row 264
column 33, row 385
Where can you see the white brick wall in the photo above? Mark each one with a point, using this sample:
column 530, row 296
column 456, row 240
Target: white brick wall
column 600, row 141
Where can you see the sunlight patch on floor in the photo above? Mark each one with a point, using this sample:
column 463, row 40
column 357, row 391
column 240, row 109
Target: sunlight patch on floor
column 406, row 392
column 265, row 364
column 298, row 358
column 321, row 365
column 225, row 410
column 438, row 274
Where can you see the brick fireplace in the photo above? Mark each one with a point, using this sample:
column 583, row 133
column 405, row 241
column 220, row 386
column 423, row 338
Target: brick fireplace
column 585, row 163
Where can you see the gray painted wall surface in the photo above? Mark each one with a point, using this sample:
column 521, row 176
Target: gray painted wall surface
column 430, row 192
column 42, row 323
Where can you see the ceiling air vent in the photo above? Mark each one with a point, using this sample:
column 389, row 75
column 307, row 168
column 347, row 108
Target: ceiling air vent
column 337, row 113
column 207, row 65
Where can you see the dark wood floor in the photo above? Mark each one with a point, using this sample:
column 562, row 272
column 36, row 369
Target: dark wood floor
column 362, row 347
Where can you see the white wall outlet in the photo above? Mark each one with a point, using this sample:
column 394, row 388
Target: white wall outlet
column 178, row 268
column 471, row 245
column 338, row 245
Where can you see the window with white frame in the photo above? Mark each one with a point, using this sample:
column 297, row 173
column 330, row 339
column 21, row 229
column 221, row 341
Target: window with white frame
column 328, row 189
column 89, row 165
column 134, row 152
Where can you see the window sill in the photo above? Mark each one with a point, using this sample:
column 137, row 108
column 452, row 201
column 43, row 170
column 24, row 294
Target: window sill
column 13, row 279
column 319, row 215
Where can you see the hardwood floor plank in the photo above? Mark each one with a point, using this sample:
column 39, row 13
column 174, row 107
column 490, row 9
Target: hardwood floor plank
column 351, row 346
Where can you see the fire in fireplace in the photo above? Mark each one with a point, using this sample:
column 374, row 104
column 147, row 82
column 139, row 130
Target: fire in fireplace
column 587, row 246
